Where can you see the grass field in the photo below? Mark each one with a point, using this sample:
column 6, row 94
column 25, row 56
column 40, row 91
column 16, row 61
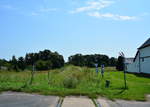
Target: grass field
column 72, row 80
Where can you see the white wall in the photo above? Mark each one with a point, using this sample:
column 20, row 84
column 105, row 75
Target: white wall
column 145, row 52
column 145, row 64
column 134, row 67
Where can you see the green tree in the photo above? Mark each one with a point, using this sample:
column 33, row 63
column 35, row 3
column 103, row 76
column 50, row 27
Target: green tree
column 21, row 63
column 112, row 61
column 120, row 63
column 14, row 63
column 43, row 65
column 89, row 60
column 31, row 58
column 55, row 58
column 77, row 60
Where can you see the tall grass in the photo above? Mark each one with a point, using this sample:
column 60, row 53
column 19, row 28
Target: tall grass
column 72, row 80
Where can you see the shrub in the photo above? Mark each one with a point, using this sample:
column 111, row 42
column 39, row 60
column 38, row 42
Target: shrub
column 43, row 65
column 70, row 82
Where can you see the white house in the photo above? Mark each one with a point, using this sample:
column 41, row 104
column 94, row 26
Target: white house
column 141, row 62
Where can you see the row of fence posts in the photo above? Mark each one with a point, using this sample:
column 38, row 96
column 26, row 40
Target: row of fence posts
column 32, row 75
column 97, row 70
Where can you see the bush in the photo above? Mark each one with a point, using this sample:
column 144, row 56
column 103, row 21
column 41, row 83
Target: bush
column 43, row 65
column 70, row 82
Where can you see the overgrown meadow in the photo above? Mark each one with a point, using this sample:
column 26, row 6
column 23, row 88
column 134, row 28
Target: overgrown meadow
column 72, row 80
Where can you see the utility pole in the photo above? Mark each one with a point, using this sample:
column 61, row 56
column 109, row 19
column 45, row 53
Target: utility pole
column 124, row 69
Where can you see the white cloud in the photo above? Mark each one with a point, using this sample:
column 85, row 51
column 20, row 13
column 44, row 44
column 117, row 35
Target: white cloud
column 93, row 5
column 111, row 16
column 94, row 8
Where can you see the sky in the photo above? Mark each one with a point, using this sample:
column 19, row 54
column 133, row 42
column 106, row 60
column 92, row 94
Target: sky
column 73, row 26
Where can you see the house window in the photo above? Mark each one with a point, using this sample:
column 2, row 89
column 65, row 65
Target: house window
column 142, row 59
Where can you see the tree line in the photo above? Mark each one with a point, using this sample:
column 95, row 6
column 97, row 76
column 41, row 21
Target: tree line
column 90, row 60
column 45, row 60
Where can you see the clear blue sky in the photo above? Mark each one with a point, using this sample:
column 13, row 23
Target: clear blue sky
column 73, row 26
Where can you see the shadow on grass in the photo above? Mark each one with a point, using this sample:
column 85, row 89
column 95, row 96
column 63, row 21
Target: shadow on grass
column 141, row 75
column 121, row 90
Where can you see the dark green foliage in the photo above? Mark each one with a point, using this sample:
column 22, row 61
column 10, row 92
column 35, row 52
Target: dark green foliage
column 31, row 58
column 90, row 60
column 43, row 60
column 112, row 61
column 57, row 60
column 43, row 65
column 4, row 63
column 14, row 63
column 21, row 63
column 77, row 60
column 120, row 63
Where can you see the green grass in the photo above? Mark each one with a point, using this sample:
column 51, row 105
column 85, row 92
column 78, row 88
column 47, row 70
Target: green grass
column 72, row 80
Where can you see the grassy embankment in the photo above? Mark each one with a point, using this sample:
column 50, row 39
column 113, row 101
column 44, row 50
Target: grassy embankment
column 72, row 80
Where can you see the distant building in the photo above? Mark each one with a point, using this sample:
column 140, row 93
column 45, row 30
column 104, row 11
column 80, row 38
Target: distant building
column 141, row 62
column 129, row 61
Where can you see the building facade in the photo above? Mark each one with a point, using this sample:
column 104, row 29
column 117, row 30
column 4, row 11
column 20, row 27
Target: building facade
column 141, row 62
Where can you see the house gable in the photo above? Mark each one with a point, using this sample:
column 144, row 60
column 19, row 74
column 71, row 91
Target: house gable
column 146, row 44
column 142, row 59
